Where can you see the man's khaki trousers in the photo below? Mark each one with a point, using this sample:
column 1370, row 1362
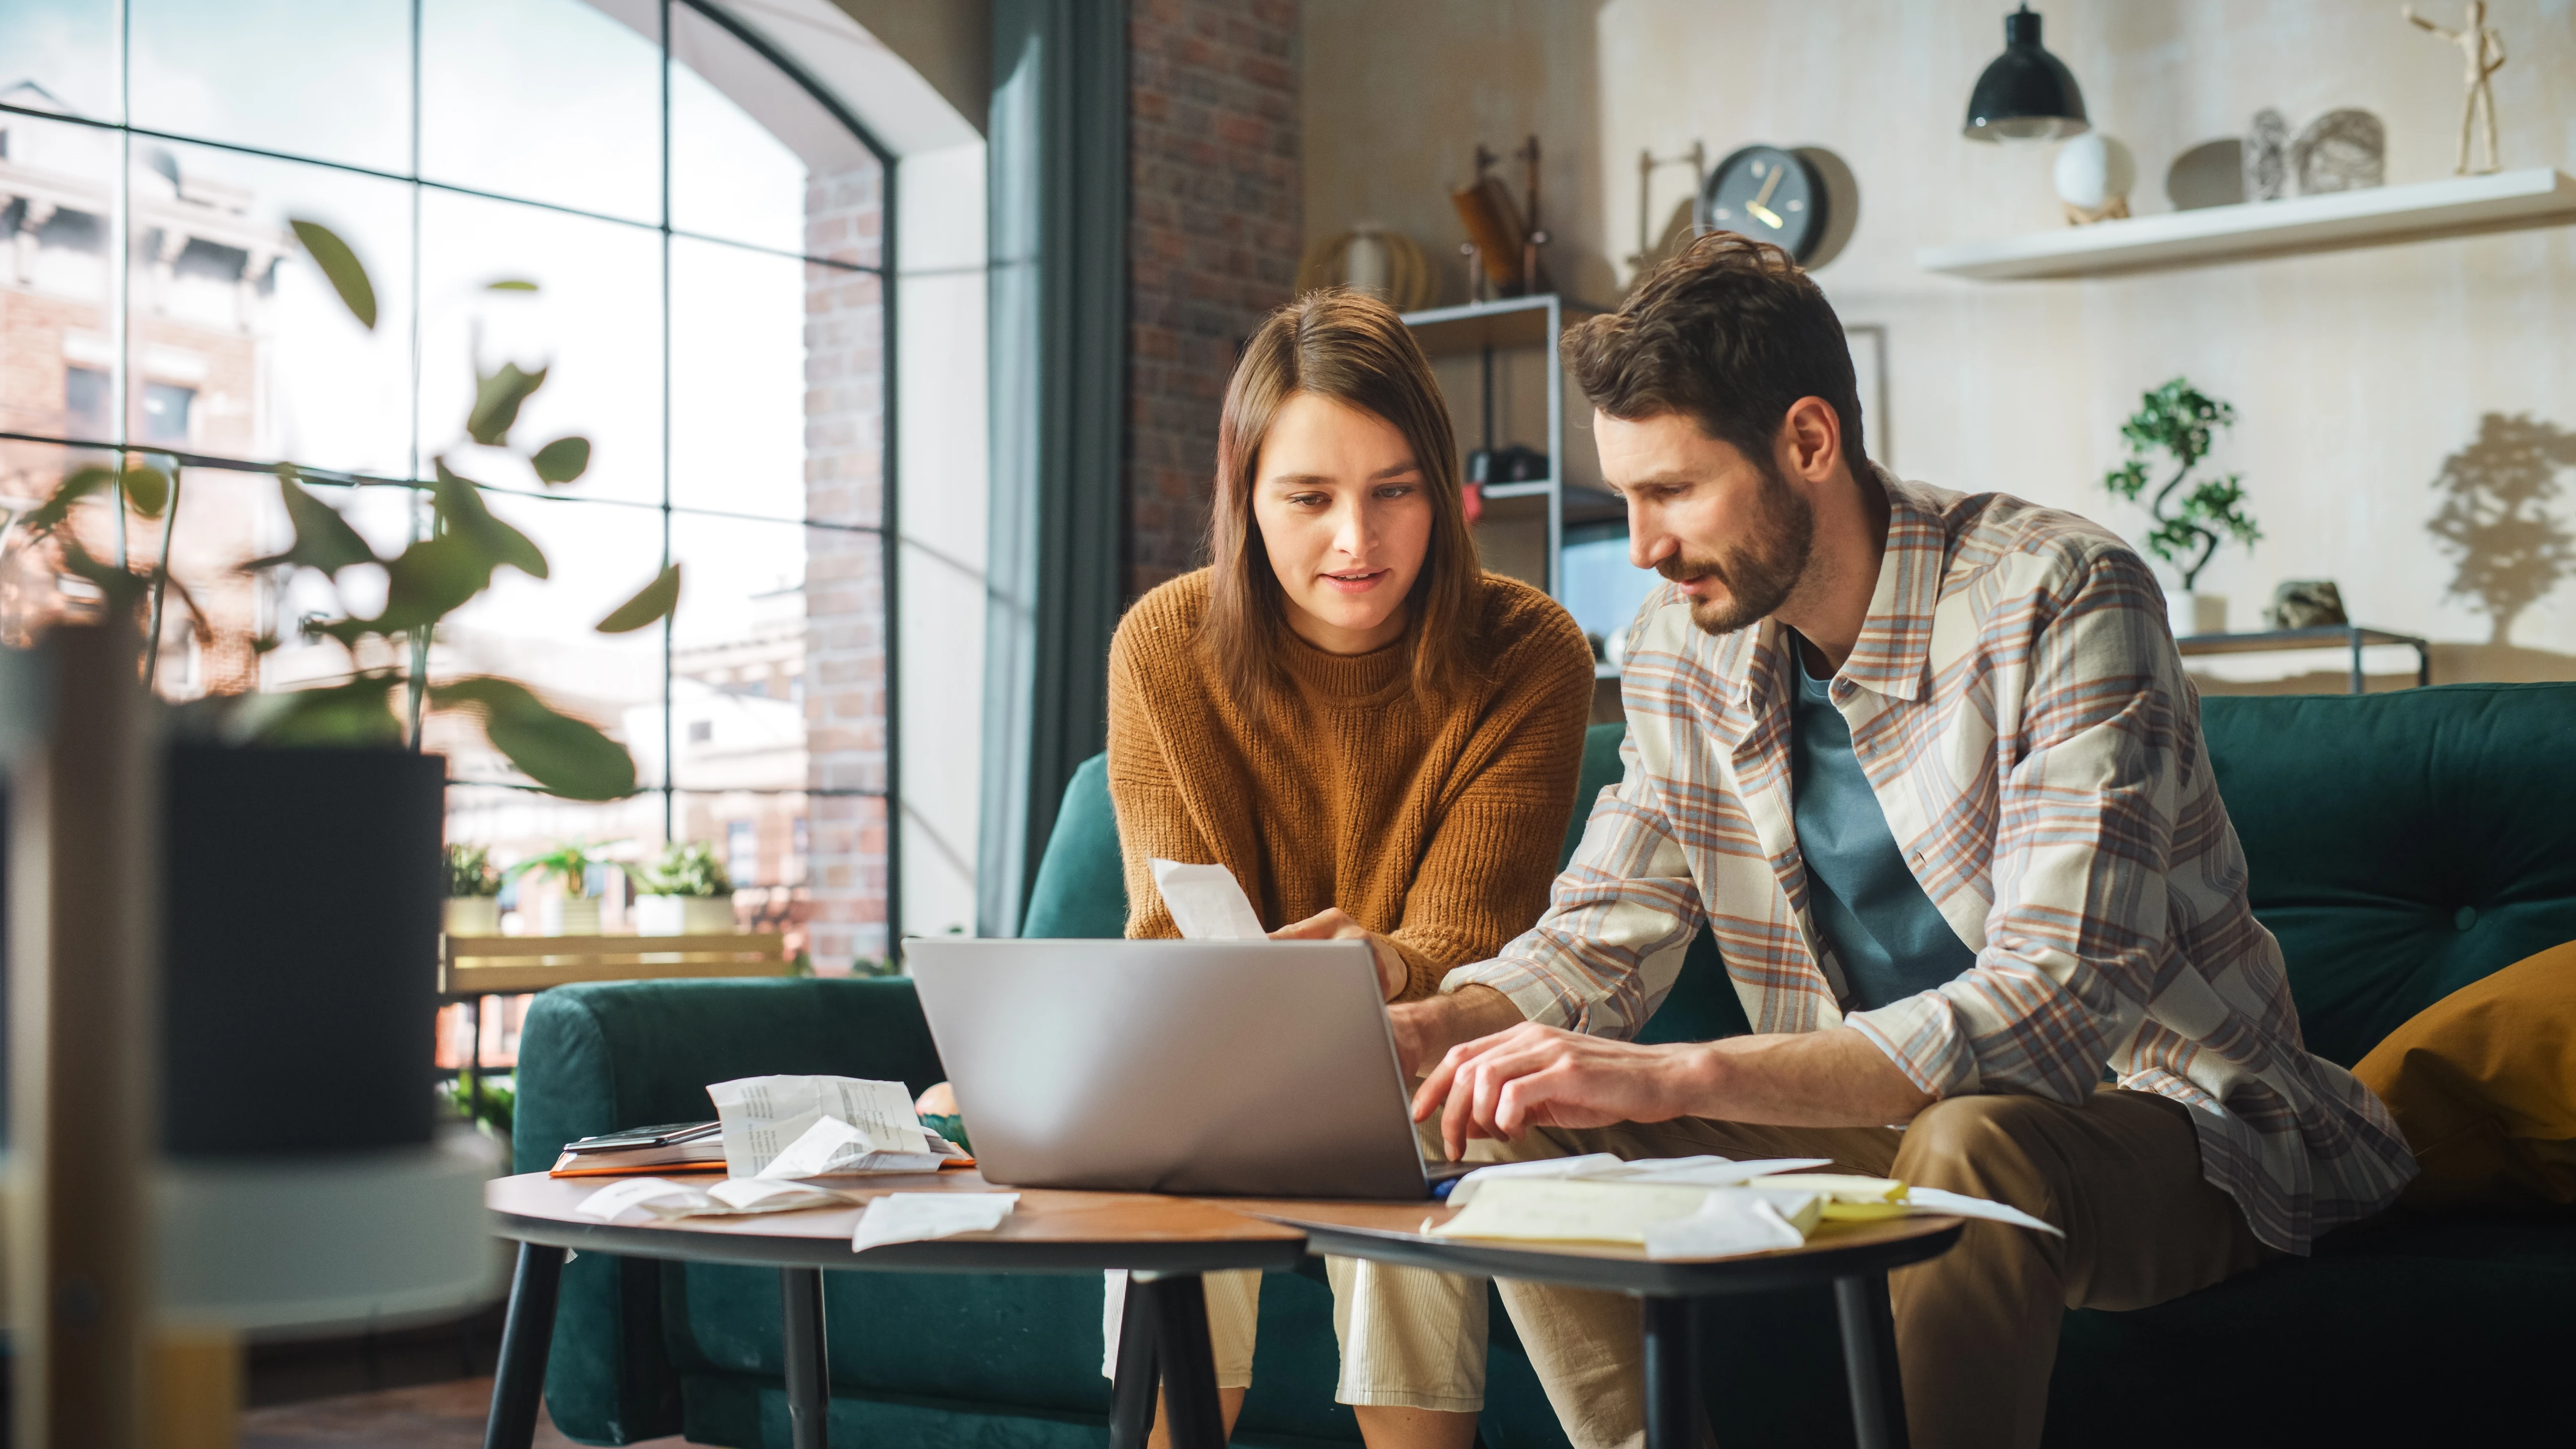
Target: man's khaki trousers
column 1976, row 1328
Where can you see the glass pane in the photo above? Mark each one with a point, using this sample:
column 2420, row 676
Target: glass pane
column 539, row 632
column 62, row 57
column 761, row 837
column 35, row 592
column 755, row 158
column 329, row 79
column 56, row 330
column 760, row 424
column 214, row 614
column 738, row 655
column 519, row 825
column 240, row 346
column 594, row 320
column 552, row 100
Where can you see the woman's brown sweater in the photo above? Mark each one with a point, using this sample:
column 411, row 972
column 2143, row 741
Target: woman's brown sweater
column 1436, row 829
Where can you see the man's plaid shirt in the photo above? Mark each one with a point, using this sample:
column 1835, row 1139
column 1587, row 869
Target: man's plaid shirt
column 2017, row 703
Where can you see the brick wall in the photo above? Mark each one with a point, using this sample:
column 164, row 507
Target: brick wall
column 1213, row 237
column 845, row 655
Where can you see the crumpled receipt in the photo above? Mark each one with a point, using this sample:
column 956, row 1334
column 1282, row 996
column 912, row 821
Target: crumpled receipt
column 763, row 1116
column 914, row 1217
column 1733, row 1221
column 1207, row 902
column 832, row 1145
column 649, row 1199
column 1604, row 1167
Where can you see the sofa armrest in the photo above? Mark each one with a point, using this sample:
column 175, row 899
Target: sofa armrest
column 598, row 1057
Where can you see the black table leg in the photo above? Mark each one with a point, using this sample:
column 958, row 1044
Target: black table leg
column 809, row 1393
column 1131, row 1393
column 519, row 1384
column 1672, row 1374
column 1179, row 1303
column 1869, row 1361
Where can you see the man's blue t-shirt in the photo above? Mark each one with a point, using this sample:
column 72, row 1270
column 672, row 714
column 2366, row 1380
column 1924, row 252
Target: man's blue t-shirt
column 1893, row 941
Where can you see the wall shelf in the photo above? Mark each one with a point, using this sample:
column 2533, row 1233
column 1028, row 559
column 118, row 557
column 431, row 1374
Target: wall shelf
column 2378, row 216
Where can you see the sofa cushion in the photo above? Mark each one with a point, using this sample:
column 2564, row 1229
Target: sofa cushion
column 2483, row 1084
column 2402, row 845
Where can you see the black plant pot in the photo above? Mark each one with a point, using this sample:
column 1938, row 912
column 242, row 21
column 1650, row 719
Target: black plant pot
column 302, row 917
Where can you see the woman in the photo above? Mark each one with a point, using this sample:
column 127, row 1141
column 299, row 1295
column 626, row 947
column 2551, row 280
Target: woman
column 1378, row 738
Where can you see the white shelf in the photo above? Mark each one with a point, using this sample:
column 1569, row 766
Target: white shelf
column 2377, row 216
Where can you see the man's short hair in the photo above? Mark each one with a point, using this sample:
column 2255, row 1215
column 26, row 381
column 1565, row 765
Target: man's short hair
column 1729, row 334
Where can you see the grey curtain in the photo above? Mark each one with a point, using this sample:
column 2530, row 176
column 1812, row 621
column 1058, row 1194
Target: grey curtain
column 1058, row 177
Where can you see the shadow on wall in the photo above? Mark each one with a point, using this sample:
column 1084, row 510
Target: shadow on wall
column 2495, row 518
column 2511, row 551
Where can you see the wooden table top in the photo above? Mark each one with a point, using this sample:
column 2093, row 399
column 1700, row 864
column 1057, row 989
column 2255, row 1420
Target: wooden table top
column 1048, row 1232
column 1400, row 1233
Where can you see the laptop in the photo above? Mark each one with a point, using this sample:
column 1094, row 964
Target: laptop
column 1213, row 1068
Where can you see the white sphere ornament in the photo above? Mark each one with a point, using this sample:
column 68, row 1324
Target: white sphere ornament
column 2094, row 174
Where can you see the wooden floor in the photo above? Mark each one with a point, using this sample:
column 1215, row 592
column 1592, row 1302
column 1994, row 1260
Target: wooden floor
column 424, row 1416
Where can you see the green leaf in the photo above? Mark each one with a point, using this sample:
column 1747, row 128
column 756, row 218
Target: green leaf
column 654, row 601
column 123, row 589
column 497, row 397
column 562, row 460
column 566, row 756
column 356, row 714
column 348, row 275
column 510, row 284
column 147, row 490
column 49, row 515
column 323, row 539
column 428, row 581
column 460, row 505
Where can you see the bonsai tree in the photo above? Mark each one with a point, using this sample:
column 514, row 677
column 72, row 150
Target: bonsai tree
column 470, row 872
column 684, row 868
column 2177, row 420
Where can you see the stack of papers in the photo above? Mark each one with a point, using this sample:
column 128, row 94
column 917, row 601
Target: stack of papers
column 820, row 1126
column 1689, row 1207
column 658, row 1199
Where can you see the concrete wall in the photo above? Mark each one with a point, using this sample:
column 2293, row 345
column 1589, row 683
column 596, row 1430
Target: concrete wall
column 2358, row 376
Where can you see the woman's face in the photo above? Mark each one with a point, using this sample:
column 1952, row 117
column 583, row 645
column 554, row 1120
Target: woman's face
column 1345, row 514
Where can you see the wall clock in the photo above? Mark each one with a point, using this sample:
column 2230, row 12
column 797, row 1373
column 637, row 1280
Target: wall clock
column 1770, row 195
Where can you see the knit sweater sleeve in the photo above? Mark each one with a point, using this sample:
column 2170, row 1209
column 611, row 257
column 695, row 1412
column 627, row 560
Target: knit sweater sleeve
column 1153, row 818
column 1485, row 873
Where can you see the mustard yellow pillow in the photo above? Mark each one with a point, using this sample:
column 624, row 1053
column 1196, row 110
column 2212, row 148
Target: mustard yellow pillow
column 2483, row 1084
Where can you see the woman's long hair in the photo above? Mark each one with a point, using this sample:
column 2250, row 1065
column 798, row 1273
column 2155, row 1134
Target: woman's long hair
column 1351, row 348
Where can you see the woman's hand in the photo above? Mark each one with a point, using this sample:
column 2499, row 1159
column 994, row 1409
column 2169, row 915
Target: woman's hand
column 1336, row 925
column 939, row 1101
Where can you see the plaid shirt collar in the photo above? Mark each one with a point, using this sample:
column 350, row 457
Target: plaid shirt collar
column 1893, row 656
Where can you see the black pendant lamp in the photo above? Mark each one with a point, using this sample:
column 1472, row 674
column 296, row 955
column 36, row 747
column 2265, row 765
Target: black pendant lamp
column 2027, row 94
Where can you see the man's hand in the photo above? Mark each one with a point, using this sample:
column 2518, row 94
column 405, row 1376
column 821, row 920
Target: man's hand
column 1541, row 1076
column 1336, row 925
column 1535, row 1076
column 1426, row 1029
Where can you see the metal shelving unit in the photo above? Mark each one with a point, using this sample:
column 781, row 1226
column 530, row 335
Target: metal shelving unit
column 1494, row 335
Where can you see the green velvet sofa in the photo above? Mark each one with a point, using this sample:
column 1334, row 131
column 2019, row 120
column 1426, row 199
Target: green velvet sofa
column 2402, row 845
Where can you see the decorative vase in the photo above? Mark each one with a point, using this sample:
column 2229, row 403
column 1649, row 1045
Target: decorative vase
column 2196, row 614
column 472, row 915
column 683, row 915
column 568, row 916
column 260, row 1003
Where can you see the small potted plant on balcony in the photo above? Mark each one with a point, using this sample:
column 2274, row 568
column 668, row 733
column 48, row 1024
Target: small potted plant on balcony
column 576, row 911
column 473, row 905
column 683, row 892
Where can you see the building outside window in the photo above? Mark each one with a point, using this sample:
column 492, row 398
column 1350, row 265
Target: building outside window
column 704, row 236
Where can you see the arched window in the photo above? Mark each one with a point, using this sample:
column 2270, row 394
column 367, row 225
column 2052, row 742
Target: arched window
column 704, row 233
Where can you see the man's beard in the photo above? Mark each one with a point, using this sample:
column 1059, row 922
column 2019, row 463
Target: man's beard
column 1759, row 573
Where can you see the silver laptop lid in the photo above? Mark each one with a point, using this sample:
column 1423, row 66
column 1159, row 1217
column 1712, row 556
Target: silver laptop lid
column 1244, row 1068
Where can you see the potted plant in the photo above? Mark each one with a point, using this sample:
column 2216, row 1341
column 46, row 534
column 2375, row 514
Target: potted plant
column 576, row 911
column 2178, row 419
column 683, row 892
column 473, row 905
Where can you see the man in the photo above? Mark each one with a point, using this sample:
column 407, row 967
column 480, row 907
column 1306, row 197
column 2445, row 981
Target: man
column 1929, row 767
